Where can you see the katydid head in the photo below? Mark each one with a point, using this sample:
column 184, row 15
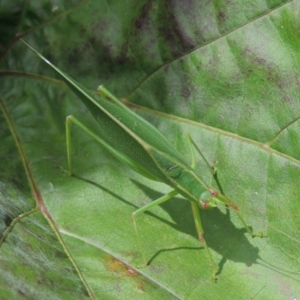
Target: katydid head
column 208, row 199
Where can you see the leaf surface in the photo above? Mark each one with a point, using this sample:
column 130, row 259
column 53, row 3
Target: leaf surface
column 225, row 73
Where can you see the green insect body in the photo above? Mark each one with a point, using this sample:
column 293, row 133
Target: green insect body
column 142, row 147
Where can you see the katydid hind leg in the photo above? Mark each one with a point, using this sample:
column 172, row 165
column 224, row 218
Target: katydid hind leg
column 199, row 228
column 71, row 119
column 117, row 154
column 146, row 208
column 197, row 221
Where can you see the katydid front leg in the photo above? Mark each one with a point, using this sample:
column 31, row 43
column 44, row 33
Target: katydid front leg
column 208, row 198
column 213, row 169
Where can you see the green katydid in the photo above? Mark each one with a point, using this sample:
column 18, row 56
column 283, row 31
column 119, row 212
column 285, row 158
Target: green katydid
column 146, row 150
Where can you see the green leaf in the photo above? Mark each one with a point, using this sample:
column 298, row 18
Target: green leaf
column 225, row 73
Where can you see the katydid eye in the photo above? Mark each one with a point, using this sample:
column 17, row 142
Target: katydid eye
column 214, row 193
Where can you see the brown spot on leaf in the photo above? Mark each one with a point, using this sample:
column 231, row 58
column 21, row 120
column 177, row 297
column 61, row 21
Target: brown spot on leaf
column 117, row 266
column 222, row 16
column 131, row 272
column 142, row 21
